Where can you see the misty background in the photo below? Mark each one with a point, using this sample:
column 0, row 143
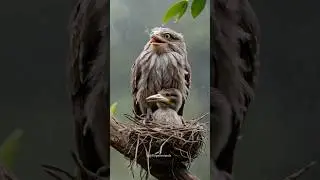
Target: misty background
column 281, row 133
column 130, row 24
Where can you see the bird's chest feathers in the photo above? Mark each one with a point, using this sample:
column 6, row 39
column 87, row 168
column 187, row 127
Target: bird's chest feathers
column 166, row 73
column 166, row 116
column 161, row 72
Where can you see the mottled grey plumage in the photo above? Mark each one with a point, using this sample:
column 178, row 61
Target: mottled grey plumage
column 168, row 102
column 161, row 65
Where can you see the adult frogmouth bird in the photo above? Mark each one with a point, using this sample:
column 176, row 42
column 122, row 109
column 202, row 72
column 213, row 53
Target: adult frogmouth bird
column 168, row 102
column 162, row 64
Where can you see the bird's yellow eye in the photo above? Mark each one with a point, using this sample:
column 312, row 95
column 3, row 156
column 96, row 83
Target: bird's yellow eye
column 167, row 36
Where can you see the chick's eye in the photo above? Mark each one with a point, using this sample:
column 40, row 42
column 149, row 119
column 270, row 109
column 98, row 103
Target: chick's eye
column 167, row 94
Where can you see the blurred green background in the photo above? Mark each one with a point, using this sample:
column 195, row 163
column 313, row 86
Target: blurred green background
column 130, row 22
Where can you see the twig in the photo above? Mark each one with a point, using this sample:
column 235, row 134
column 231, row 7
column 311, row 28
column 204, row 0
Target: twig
column 53, row 174
column 136, row 152
column 6, row 174
column 84, row 169
column 160, row 150
column 56, row 169
column 148, row 161
column 199, row 118
column 301, row 171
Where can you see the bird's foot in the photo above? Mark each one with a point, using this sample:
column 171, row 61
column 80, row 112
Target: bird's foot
column 183, row 123
column 148, row 117
column 147, row 121
column 144, row 122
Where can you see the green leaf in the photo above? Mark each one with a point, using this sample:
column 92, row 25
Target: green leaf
column 176, row 10
column 10, row 148
column 196, row 7
column 113, row 108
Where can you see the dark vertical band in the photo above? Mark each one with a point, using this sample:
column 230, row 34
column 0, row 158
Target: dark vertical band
column 235, row 39
column 88, row 72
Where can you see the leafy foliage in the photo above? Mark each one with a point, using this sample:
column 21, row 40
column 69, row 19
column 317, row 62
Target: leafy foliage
column 196, row 7
column 178, row 9
column 10, row 147
column 113, row 108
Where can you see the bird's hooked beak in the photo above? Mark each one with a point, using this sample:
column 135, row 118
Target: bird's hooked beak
column 158, row 44
column 157, row 40
column 158, row 98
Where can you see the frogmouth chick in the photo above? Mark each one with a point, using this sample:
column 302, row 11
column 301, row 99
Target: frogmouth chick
column 168, row 102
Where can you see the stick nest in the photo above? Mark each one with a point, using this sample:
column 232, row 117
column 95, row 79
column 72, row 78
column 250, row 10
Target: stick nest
column 166, row 143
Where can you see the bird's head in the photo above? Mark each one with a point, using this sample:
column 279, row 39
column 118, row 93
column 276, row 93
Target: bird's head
column 171, row 98
column 164, row 40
